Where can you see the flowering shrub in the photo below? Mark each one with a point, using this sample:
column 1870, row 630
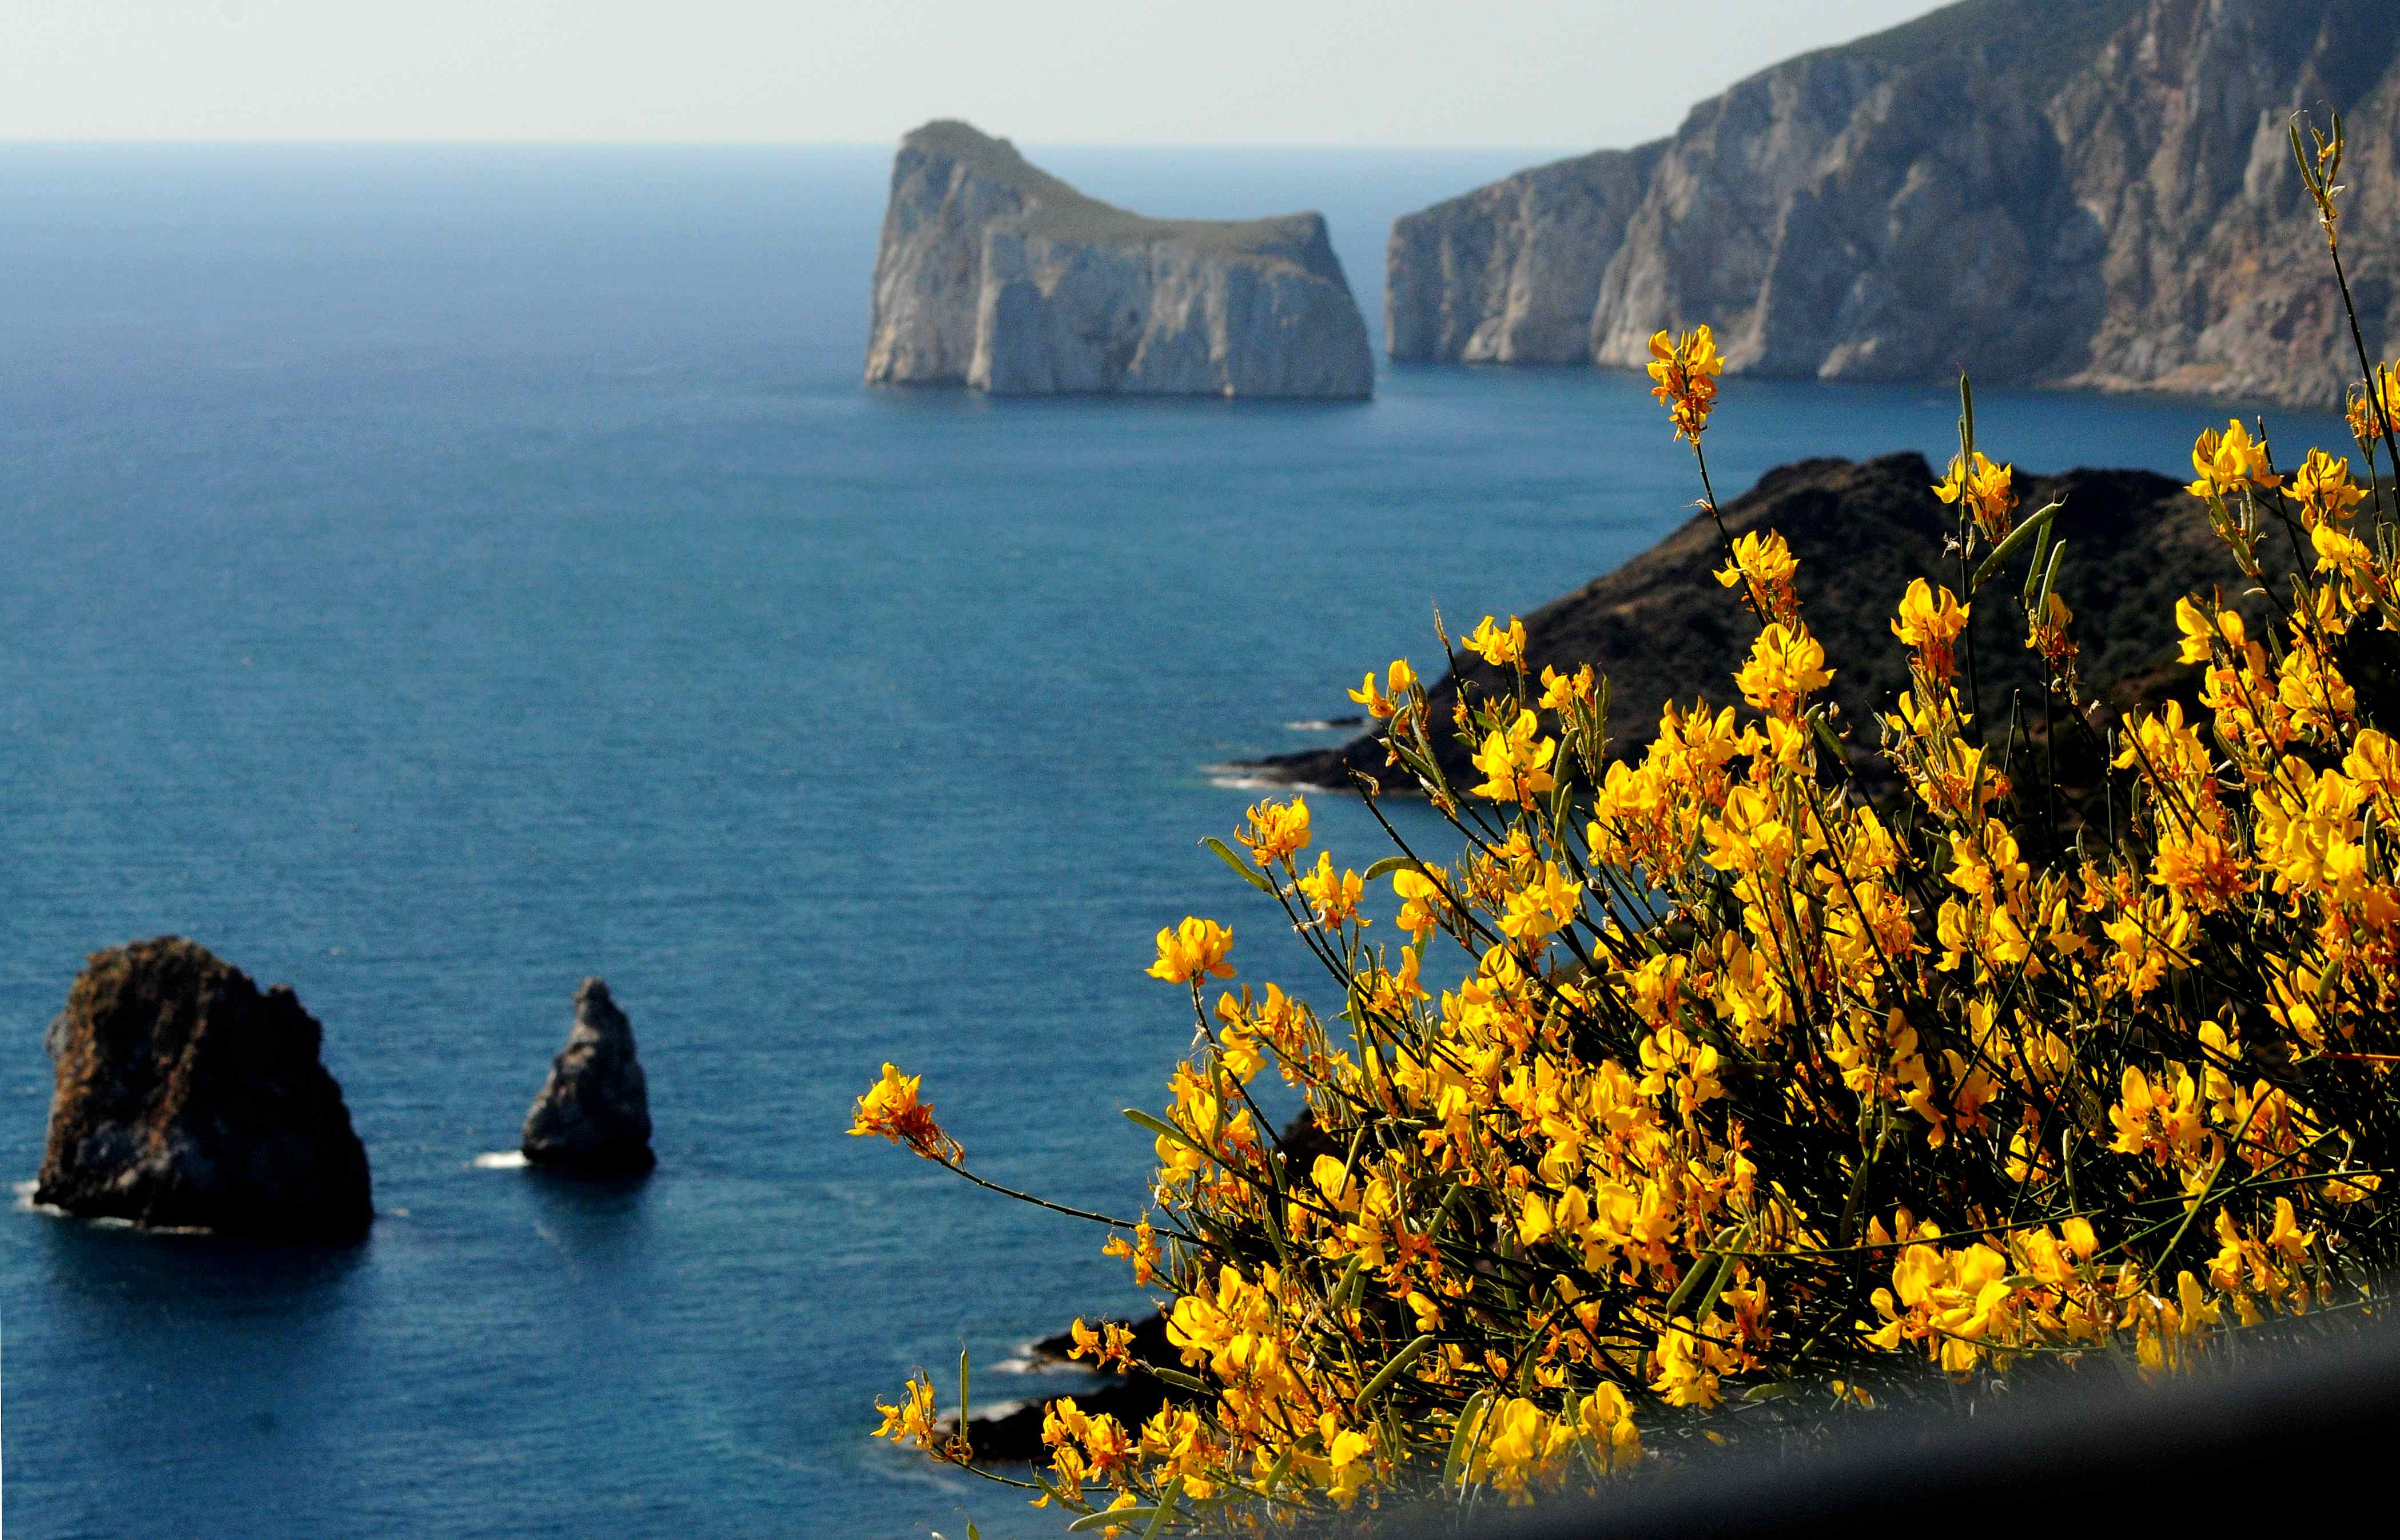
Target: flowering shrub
column 1704, row 1091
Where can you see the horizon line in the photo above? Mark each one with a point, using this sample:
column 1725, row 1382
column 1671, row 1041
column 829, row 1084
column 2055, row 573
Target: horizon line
column 438, row 142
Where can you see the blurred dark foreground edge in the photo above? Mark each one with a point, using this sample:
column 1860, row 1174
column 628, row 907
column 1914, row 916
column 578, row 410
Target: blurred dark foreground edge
column 2311, row 1431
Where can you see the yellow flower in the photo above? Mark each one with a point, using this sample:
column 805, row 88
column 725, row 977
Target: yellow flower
column 1334, row 896
column 1685, row 370
column 1421, row 902
column 1499, row 648
column 2046, row 633
column 1762, row 564
column 1929, row 622
column 1561, row 691
column 1141, row 1251
column 2338, row 551
column 890, row 1109
column 1516, row 762
column 1786, row 666
column 1542, row 906
column 2201, row 628
column 1275, row 830
column 2160, row 1116
column 1192, row 951
column 1606, row 1420
column 1398, row 681
column 912, row 1417
column 2324, row 487
column 2371, row 407
column 1988, row 492
column 1687, row 1363
column 2227, row 461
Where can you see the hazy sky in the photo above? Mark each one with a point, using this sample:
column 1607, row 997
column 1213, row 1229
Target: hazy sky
column 1566, row 73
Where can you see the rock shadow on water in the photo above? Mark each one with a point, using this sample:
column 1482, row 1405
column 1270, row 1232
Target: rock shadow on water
column 146, row 1269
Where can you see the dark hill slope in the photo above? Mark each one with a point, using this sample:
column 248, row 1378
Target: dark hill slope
column 1661, row 627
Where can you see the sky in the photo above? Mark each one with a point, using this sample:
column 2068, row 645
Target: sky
column 1400, row 73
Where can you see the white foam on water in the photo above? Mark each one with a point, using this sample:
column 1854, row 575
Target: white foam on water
column 499, row 1160
column 1242, row 778
column 25, row 1204
column 1322, row 724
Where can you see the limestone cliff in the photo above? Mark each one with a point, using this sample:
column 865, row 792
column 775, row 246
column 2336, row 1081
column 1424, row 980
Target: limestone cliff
column 1509, row 273
column 2075, row 192
column 995, row 275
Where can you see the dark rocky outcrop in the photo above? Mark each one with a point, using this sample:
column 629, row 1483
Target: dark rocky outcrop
column 594, row 1112
column 1133, row 1398
column 1661, row 628
column 2096, row 192
column 186, row 1098
column 995, row 275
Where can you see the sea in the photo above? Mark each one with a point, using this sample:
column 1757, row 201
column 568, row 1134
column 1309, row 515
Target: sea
column 430, row 575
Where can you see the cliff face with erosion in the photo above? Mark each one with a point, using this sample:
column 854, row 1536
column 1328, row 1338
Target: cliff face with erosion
column 997, row 276
column 2094, row 193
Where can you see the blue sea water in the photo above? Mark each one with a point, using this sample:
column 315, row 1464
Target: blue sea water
column 429, row 576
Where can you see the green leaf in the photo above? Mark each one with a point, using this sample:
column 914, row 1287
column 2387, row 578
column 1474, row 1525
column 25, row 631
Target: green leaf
column 1165, row 1129
column 2009, row 547
column 1826, row 736
column 1390, row 1371
column 1391, row 863
column 1165, row 1510
column 2034, row 567
column 1716, row 1287
column 1467, row 1419
column 1241, row 869
column 962, row 1393
column 1674, row 1306
column 1354, row 1283
column 1107, row 1516
column 1177, row 1378
column 2041, row 600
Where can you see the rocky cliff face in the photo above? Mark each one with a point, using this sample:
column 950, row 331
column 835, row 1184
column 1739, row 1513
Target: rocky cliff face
column 185, row 1098
column 1509, row 273
column 593, row 1112
column 995, row 275
column 2080, row 192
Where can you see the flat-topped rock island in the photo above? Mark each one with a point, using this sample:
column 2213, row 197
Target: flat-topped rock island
column 995, row 276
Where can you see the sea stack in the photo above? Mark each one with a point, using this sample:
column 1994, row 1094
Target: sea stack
column 593, row 1114
column 186, row 1098
column 997, row 276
